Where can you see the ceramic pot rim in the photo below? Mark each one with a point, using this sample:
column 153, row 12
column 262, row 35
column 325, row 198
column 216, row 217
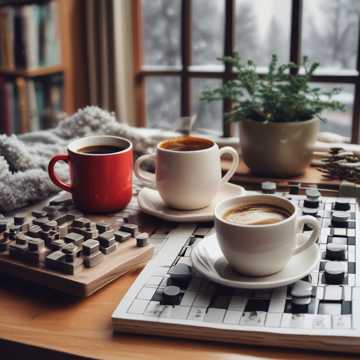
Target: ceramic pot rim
column 281, row 124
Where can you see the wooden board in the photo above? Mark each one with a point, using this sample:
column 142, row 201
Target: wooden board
column 311, row 175
column 214, row 312
column 127, row 257
column 258, row 338
column 86, row 281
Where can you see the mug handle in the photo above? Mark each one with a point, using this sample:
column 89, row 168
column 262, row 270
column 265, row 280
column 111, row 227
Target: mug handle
column 54, row 178
column 235, row 162
column 146, row 177
column 315, row 225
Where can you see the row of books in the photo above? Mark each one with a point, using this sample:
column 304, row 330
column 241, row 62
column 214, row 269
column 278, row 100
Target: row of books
column 26, row 104
column 29, row 36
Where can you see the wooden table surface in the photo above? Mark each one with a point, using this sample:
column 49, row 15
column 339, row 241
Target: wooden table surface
column 311, row 175
column 38, row 323
column 42, row 318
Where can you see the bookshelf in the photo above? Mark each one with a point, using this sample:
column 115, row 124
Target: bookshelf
column 70, row 67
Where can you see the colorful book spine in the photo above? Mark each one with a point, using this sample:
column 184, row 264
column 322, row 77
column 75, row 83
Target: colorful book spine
column 31, row 35
column 19, row 43
column 33, row 114
column 7, row 16
column 23, row 106
column 5, row 114
column 12, row 98
column 52, row 35
column 56, row 90
column 40, row 102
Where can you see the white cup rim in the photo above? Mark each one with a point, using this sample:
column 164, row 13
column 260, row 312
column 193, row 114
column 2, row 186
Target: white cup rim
column 94, row 140
column 190, row 152
column 223, row 204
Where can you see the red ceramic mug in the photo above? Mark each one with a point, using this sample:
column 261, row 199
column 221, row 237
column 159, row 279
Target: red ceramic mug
column 100, row 182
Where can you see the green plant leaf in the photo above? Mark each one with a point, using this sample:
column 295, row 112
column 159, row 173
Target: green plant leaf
column 282, row 95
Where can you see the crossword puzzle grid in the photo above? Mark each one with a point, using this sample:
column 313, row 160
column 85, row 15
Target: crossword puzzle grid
column 334, row 309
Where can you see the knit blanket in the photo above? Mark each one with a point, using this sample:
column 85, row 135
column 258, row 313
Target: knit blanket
column 24, row 159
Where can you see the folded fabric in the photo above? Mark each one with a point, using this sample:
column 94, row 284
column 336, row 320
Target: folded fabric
column 24, row 158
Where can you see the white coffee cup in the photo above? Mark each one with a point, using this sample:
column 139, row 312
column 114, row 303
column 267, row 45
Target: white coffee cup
column 187, row 180
column 259, row 250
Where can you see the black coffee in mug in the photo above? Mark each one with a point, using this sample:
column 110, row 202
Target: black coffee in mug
column 100, row 149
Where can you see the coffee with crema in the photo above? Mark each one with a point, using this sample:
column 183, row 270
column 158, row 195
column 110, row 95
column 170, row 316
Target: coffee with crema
column 186, row 143
column 256, row 214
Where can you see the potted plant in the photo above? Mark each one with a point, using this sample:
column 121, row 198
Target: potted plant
column 279, row 114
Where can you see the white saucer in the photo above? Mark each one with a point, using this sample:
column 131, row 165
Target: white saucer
column 151, row 203
column 217, row 269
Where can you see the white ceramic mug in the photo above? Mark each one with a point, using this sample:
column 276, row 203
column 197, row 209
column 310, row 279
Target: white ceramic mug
column 259, row 250
column 187, row 180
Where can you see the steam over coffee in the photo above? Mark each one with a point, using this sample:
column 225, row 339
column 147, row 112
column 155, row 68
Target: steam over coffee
column 256, row 214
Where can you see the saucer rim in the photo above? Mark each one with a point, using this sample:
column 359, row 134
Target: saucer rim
column 187, row 216
column 250, row 284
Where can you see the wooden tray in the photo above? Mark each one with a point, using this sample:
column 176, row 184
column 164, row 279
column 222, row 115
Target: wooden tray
column 311, row 176
column 127, row 257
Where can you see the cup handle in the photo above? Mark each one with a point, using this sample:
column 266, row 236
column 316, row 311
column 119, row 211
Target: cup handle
column 54, row 178
column 235, row 162
column 307, row 219
column 146, row 177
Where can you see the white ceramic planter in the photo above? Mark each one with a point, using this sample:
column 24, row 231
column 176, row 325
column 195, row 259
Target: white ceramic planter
column 278, row 149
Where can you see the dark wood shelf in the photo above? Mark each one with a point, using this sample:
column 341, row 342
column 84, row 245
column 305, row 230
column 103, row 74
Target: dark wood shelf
column 21, row 2
column 32, row 72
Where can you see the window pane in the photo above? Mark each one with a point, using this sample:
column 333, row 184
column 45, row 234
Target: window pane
column 330, row 33
column 262, row 29
column 337, row 121
column 209, row 116
column 162, row 101
column 207, row 31
column 161, row 32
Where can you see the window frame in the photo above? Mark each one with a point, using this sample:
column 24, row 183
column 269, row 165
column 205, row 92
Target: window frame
column 186, row 73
